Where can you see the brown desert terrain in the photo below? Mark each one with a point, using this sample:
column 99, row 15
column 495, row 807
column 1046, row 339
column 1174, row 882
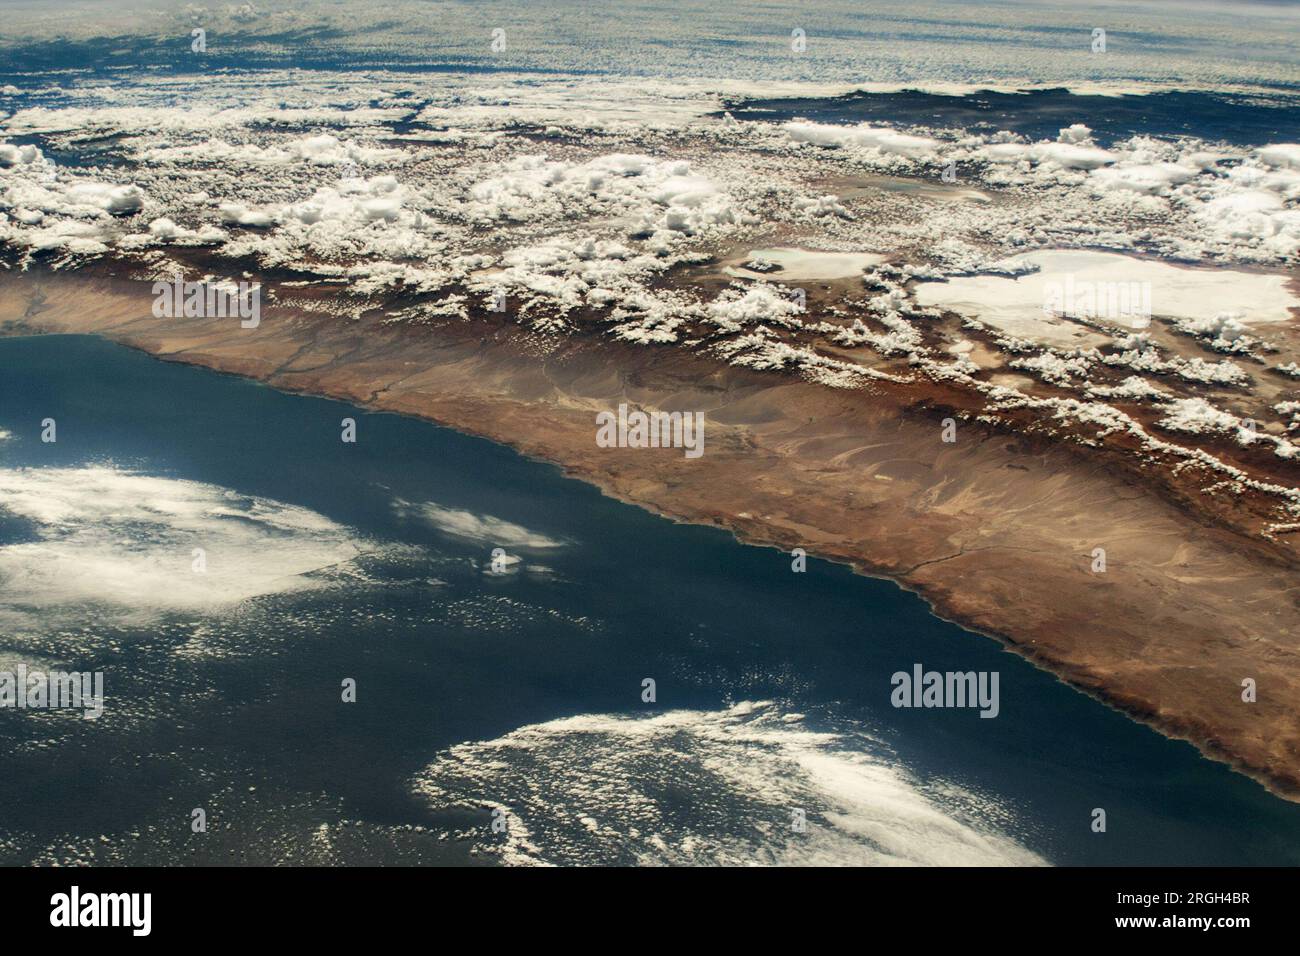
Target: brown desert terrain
column 996, row 530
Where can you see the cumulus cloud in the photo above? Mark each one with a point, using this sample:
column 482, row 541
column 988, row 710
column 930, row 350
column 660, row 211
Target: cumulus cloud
column 1070, row 155
column 1067, row 154
column 651, row 196
column 1196, row 415
column 1075, row 133
column 323, row 149
column 11, row 155
column 238, row 214
column 1146, row 178
column 164, row 228
column 881, row 139
column 762, row 302
column 1284, row 155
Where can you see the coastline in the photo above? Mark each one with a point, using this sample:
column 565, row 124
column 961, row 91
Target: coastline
column 856, row 477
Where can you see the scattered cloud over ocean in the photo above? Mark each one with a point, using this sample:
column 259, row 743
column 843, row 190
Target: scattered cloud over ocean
column 713, row 787
column 482, row 529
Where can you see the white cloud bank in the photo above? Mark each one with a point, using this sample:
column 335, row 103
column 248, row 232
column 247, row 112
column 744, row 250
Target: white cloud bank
column 714, row 788
column 115, row 539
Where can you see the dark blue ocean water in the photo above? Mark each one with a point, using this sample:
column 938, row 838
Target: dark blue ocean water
column 1039, row 114
column 235, row 707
